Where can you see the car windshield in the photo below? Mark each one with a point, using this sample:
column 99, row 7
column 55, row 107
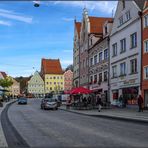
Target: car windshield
column 49, row 100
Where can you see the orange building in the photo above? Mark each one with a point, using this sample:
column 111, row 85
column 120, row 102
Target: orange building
column 145, row 55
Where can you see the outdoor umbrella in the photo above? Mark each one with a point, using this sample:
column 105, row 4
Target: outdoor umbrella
column 80, row 90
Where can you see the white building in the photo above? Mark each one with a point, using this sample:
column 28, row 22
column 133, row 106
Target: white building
column 36, row 85
column 125, row 56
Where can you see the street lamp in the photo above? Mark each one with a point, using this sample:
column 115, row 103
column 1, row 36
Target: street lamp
column 36, row 3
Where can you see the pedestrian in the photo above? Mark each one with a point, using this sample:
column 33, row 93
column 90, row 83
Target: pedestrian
column 140, row 103
column 99, row 102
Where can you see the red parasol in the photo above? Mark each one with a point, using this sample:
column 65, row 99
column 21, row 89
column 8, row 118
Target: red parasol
column 80, row 90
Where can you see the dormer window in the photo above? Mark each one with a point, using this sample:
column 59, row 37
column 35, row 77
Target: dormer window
column 120, row 20
column 128, row 16
column 123, row 4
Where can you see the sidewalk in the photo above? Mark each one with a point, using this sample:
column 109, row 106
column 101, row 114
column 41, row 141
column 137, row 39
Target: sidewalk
column 126, row 114
column 3, row 142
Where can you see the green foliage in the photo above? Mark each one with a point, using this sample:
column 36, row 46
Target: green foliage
column 6, row 82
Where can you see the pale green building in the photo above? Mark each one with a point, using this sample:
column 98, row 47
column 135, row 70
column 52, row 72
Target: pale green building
column 36, row 85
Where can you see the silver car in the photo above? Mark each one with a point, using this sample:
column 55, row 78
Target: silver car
column 49, row 103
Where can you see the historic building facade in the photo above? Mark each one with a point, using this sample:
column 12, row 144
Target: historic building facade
column 36, row 85
column 145, row 55
column 99, row 62
column 68, row 79
column 52, row 74
column 76, row 51
column 125, row 55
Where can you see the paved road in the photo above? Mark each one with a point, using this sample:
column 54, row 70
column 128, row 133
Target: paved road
column 41, row 128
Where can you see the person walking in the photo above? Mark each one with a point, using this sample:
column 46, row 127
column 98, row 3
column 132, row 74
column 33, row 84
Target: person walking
column 99, row 102
column 140, row 102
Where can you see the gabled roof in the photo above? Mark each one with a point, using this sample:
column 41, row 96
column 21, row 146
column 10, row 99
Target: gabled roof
column 96, row 24
column 140, row 3
column 51, row 66
column 3, row 74
column 78, row 27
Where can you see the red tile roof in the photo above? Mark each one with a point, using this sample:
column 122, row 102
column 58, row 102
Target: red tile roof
column 51, row 66
column 3, row 74
column 96, row 24
column 78, row 27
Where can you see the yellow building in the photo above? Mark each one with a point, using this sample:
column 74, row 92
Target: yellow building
column 52, row 74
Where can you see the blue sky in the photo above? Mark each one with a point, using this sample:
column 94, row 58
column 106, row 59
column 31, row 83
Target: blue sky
column 28, row 34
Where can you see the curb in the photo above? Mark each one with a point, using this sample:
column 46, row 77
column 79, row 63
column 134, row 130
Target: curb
column 119, row 118
column 3, row 142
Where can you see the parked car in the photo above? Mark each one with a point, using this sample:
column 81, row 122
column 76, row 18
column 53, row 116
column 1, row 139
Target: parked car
column 22, row 100
column 49, row 103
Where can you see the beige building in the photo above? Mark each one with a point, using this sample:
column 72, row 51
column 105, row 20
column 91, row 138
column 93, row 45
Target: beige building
column 14, row 90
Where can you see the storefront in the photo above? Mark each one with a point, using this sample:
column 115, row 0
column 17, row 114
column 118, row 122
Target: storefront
column 130, row 94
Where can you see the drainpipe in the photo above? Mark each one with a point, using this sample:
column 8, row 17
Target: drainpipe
column 141, row 74
column 108, row 97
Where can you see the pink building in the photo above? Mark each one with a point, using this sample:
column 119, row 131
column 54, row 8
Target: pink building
column 68, row 79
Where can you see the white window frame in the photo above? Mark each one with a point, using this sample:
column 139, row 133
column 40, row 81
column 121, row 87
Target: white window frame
column 146, row 46
column 123, row 69
column 128, row 16
column 123, row 45
column 114, row 71
column 145, row 70
column 146, row 20
column 114, row 51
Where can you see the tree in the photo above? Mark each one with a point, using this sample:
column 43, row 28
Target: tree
column 6, row 82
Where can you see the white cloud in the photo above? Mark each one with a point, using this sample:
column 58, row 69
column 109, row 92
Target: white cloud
column 15, row 16
column 5, row 23
column 103, row 6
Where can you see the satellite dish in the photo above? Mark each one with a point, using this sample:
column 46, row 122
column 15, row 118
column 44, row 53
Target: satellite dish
column 36, row 3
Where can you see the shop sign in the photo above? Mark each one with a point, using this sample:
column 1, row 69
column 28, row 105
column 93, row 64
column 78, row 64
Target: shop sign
column 132, row 81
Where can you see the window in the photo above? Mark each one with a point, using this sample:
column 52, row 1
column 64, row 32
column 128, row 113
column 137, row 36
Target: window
column 61, row 82
column 46, row 82
column 91, row 79
column 133, row 64
column 100, row 77
column 128, row 15
column 122, row 69
column 123, row 45
column 83, row 63
column 114, row 46
column 123, row 4
column 95, row 78
column 105, row 29
column 91, row 61
column 134, row 40
column 50, row 83
column 54, row 82
column 105, row 76
column 105, row 54
column 146, row 72
column 114, row 71
column 50, row 77
column 146, row 46
column 95, row 59
column 120, row 20
column 54, row 77
column 61, row 77
column 100, row 56
column 146, row 21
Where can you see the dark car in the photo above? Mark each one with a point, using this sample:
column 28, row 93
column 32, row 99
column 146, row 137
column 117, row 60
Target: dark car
column 22, row 100
column 49, row 103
